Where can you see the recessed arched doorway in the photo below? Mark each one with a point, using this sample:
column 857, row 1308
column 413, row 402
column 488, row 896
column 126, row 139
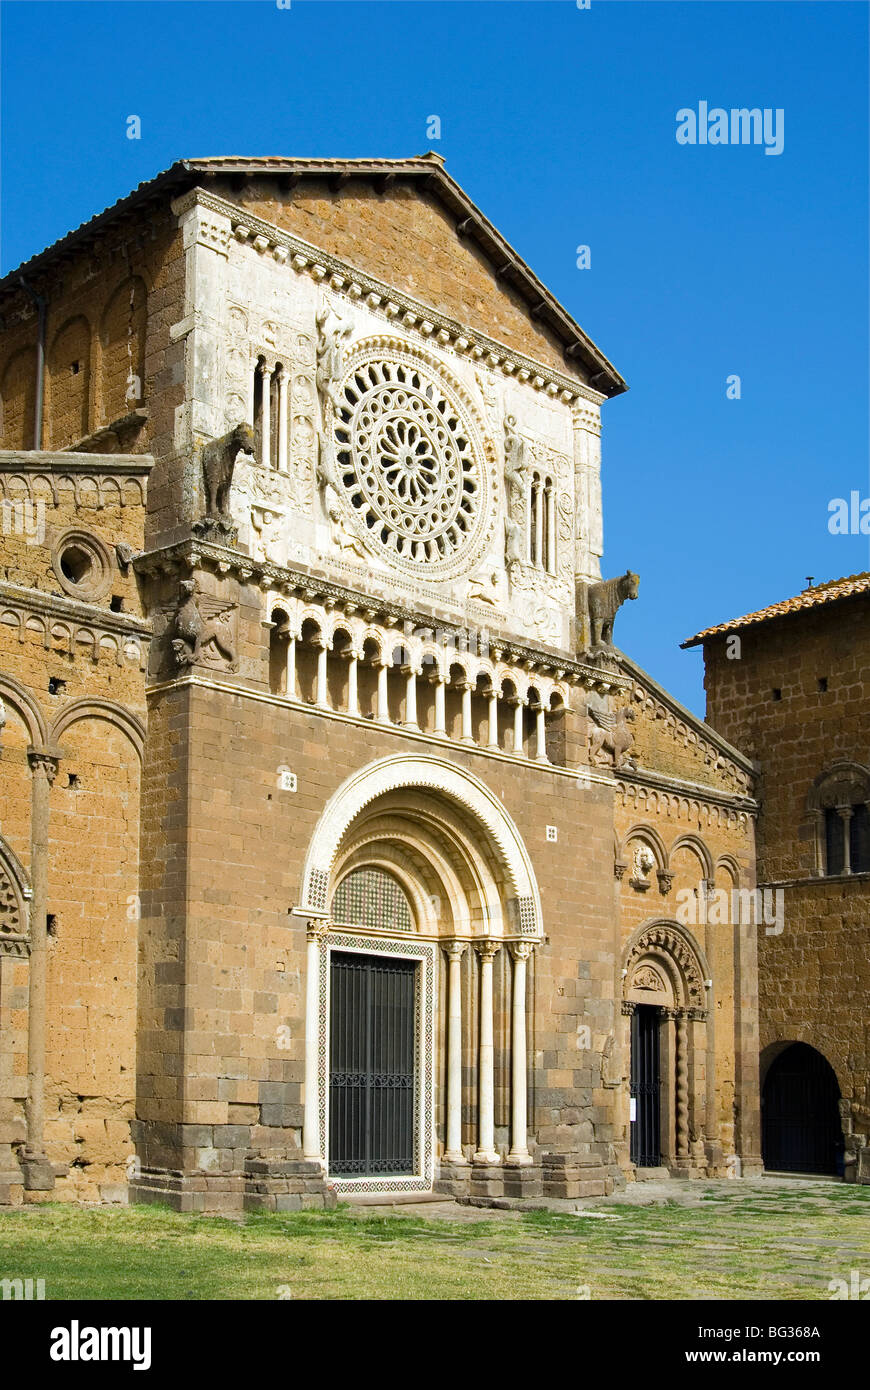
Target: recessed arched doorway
column 425, row 914
column 800, row 1114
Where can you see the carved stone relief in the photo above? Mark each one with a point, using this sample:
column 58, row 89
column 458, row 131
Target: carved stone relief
column 203, row 630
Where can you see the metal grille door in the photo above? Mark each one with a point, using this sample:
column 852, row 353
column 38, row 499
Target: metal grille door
column 645, row 1142
column 371, row 1064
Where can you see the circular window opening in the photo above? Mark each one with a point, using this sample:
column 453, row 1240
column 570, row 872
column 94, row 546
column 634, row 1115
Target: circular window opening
column 76, row 564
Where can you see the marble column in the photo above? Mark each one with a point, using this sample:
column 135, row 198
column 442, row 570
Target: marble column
column 519, row 706
column 492, row 740
column 440, row 710
column 283, row 381
column 486, row 1151
column 410, row 721
column 311, row 1140
column 519, row 1155
column 322, row 692
column 467, row 733
column 453, row 1153
column 383, row 714
column 540, row 735
column 291, row 668
column 352, row 685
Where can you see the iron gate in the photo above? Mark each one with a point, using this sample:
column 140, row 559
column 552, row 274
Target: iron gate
column 645, row 1128
column 800, row 1115
column 371, row 1064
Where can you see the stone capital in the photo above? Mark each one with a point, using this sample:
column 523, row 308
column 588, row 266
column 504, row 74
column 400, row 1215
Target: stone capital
column 454, row 950
column 44, row 762
column 487, row 950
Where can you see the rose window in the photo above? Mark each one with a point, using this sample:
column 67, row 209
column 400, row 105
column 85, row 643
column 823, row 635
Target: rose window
column 406, row 463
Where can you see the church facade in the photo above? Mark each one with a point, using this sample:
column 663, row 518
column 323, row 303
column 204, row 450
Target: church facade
column 343, row 853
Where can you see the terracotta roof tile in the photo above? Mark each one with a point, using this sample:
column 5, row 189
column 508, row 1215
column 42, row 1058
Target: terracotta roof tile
column 816, row 597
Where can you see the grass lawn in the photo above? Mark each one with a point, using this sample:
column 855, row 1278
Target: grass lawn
column 737, row 1240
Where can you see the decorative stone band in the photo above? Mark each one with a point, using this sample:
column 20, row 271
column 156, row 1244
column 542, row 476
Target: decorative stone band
column 78, row 625
column 601, row 676
column 383, row 299
column 91, row 479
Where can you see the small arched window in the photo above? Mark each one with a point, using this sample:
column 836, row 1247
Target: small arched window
column 841, row 801
column 372, row 898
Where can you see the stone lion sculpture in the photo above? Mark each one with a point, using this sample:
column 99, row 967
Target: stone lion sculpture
column 218, row 460
column 603, row 601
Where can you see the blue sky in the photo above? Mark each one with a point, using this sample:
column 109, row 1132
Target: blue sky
column 560, row 123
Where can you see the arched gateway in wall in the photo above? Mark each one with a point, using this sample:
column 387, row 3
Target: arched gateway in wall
column 418, row 888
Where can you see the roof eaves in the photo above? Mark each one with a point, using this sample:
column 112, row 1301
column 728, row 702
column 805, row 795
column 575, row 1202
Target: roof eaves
column 543, row 304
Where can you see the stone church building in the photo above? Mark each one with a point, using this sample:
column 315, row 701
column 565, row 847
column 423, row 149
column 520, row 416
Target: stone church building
column 340, row 847
column 789, row 685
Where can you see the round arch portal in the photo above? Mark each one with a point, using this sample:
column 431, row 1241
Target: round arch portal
column 476, row 804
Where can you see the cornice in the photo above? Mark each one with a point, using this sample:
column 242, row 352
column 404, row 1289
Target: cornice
column 679, row 786
column 53, row 605
column 55, row 462
column 393, row 305
column 189, row 555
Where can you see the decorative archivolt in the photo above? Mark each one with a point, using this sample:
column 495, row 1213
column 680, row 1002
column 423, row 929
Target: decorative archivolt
column 667, row 948
column 14, row 896
column 425, row 656
column 730, row 866
column 647, row 836
column 656, row 801
column 496, row 828
column 842, row 784
column 27, row 708
column 699, row 849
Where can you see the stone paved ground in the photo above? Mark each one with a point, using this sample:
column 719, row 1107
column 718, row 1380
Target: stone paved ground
column 782, row 1207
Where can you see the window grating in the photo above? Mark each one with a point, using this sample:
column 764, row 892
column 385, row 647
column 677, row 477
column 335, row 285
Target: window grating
column 371, row 898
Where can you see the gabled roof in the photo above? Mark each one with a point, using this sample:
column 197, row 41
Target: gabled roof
column 815, row 597
column 428, row 169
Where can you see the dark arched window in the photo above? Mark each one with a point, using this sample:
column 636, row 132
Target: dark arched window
column 840, row 800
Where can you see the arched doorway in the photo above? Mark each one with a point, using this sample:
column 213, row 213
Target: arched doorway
column 424, row 912
column 665, row 997
column 800, row 1115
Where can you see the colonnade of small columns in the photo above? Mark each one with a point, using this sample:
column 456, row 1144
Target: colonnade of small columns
column 444, row 672
column 486, row 1152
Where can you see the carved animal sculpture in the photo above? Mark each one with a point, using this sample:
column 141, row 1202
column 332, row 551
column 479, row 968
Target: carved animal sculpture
column 603, row 603
column 611, row 739
column 194, row 633
column 218, row 461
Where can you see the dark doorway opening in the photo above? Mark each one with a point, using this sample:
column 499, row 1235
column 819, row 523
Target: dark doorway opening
column 800, row 1116
column 645, row 1145
column 371, row 1064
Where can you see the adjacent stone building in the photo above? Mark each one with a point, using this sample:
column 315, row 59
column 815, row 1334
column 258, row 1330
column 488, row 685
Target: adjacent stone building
column 341, row 847
column 789, row 686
